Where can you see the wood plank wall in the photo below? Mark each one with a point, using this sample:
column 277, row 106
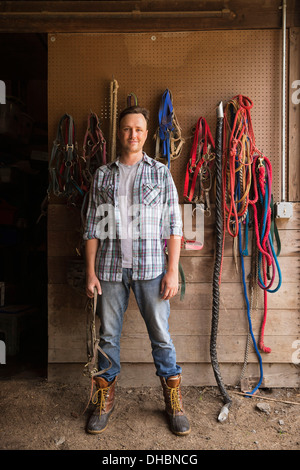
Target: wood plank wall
column 190, row 320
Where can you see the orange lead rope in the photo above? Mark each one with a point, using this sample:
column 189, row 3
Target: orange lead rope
column 238, row 149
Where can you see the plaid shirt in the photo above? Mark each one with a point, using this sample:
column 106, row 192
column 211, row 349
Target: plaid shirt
column 156, row 216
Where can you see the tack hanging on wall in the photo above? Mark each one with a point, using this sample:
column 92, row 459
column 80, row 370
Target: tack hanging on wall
column 169, row 141
column 113, row 120
column 131, row 96
column 247, row 60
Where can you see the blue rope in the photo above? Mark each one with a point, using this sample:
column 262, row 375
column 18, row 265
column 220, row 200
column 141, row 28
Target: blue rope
column 248, row 314
column 271, row 244
column 245, row 251
column 247, row 301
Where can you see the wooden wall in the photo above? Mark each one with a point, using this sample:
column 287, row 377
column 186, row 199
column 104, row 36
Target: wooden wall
column 190, row 320
column 195, row 94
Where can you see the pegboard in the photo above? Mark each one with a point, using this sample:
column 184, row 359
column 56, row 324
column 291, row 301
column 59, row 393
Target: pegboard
column 200, row 68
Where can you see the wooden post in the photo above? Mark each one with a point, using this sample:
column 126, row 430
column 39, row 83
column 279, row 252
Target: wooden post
column 294, row 116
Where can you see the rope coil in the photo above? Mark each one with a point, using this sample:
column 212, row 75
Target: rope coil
column 247, row 174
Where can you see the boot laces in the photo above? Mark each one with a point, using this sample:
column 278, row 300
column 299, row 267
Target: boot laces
column 174, row 399
column 99, row 398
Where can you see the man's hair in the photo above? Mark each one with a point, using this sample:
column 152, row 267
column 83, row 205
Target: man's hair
column 134, row 110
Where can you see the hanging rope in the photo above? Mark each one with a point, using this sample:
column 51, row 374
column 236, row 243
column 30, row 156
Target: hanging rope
column 247, row 171
column 169, row 141
column 267, row 259
column 113, row 119
column 93, row 349
column 249, row 314
column 238, row 147
column 217, row 268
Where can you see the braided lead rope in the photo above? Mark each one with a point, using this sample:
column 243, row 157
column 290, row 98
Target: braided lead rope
column 216, row 275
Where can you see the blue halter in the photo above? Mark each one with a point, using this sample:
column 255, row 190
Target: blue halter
column 165, row 117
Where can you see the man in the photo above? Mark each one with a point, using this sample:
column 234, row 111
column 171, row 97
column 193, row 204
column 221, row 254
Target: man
column 126, row 249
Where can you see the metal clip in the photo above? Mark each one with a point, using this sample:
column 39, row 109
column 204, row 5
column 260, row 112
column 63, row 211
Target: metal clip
column 261, row 159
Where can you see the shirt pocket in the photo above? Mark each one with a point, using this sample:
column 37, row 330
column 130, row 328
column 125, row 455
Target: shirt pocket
column 151, row 194
column 106, row 194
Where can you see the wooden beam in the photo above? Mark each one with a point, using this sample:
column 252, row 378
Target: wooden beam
column 128, row 16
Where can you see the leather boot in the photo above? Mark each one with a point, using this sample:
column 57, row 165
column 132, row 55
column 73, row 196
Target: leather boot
column 178, row 421
column 103, row 398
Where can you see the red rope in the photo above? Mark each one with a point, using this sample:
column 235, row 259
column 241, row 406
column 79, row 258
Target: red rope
column 239, row 155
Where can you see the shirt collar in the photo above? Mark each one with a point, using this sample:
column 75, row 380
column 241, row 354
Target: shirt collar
column 146, row 159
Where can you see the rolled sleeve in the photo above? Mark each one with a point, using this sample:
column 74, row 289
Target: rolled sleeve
column 174, row 219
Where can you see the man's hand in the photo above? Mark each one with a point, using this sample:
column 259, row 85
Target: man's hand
column 169, row 285
column 91, row 282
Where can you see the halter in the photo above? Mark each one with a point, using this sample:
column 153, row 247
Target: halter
column 94, row 149
column 64, row 171
column 169, row 142
column 198, row 176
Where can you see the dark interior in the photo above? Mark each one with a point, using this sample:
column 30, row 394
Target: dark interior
column 23, row 198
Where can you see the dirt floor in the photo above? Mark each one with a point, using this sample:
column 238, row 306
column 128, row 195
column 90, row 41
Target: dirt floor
column 37, row 415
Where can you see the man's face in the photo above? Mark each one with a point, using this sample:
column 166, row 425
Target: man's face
column 133, row 132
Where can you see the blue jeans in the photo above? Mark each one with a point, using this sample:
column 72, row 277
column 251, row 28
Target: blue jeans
column 112, row 305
